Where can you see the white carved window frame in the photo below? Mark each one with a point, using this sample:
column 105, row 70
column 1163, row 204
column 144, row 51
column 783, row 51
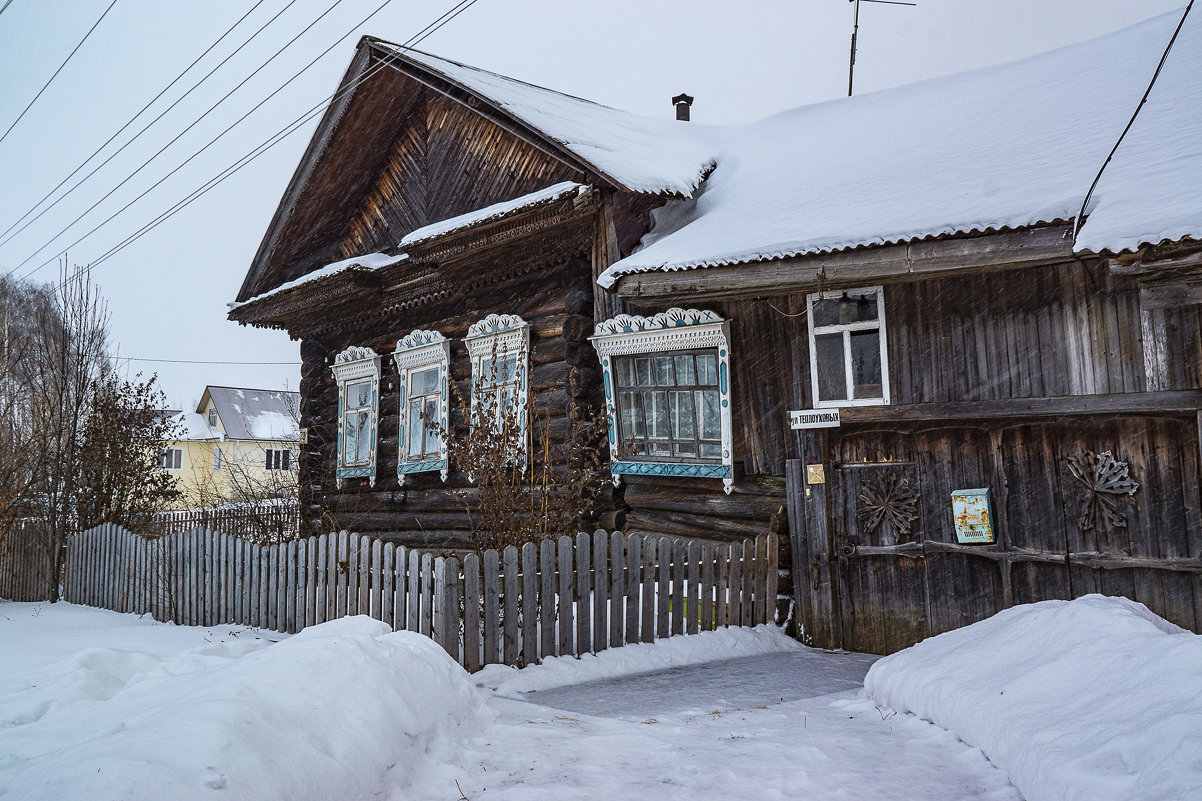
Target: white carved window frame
column 502, row 334
column 351, row 366
column 673, row 330
column 417, row 351
column 846, row 329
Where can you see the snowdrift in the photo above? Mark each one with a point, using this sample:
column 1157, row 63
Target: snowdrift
column 342, row 710
column 1095, row 699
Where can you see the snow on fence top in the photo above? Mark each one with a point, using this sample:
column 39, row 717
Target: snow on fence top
column 644, row 154
column 994, row 148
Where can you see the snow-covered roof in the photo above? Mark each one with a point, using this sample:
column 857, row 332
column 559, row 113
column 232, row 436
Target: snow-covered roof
column 494, row 212
column 255, row 414
column 644, row 154
column 1152, row 190
column 995, row 148
column 193, row 427
column 368, row 262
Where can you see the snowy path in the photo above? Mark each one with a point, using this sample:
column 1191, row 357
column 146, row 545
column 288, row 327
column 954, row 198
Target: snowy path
column 788, row 725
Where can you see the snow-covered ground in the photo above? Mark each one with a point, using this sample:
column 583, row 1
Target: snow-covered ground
column 99, row 705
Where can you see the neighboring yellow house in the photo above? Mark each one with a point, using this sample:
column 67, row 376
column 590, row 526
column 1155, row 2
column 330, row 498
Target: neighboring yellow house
column 239, row 445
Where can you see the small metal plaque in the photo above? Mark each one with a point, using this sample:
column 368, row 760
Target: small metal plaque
column 304, row 436
column 814, row 418
column 972, row 510
column 815, row 474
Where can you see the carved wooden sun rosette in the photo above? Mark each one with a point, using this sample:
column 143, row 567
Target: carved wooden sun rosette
column 1106, row 480
column 891, row 501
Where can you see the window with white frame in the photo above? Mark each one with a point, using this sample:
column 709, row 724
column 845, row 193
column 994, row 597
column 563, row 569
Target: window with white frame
column 422, row 360
column 499, row 346
column 667, row 394
column 278, row 459
column 849, row 363
column 357, row 371
column 171, row 459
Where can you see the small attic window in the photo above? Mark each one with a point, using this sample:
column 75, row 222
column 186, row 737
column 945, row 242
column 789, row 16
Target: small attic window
column 213, row 416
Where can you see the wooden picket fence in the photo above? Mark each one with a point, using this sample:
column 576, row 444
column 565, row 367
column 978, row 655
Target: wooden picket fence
column 574, row 596
column 265, row 521
column 23, row 563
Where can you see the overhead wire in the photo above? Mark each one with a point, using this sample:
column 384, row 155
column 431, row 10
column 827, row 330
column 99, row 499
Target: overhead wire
column 130, row 122
column 177, row 137
column 196, row 361
column 57, row 71
column 457, row 9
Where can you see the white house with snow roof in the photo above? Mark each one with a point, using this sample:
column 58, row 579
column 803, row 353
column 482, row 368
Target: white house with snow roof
column 238, row 445
column 947, row 337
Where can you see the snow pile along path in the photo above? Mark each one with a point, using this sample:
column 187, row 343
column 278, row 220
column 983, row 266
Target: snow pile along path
column 1095, row 699
column 708, row 646
column 346, row 709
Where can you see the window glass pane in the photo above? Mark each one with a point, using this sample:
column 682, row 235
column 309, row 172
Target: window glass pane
column 707, row 414
column 423, row 382
column 832, row 377
column 642, row 372
column 866, row 363
column 363, row 454
column 415, row 428
column 663, row 371
column 682, row 415
column 351, row 433
column 707, row 368
column 630, row 404
column 689, row 449
column 657, row 414
column 358, row 395
column 625, row 370
column 686, row 375
column 850, row 307
column 432, row 440
column 711, row 450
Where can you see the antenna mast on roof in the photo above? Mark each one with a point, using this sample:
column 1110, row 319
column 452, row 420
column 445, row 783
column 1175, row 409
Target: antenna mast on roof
column 855, row 29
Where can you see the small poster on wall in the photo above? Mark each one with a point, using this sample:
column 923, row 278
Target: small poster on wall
column 972, row 510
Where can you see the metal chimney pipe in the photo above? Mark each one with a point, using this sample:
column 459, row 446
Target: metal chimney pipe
column 682, row 103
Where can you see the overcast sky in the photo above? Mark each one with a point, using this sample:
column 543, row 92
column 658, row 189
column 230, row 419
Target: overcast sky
column 168, row 290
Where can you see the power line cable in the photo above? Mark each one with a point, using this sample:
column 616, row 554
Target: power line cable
column 429, row 30
column 131, row 121
column 1163, row 58
column 275, row 139
column 194, row 361
column 177, row 137
column 57, row 71
column 4, row 8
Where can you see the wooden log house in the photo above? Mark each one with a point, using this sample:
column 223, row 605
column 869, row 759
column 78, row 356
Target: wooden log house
column 883, row 324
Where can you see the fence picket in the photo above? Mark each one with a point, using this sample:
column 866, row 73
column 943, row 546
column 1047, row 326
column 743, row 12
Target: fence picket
column 546, row 596
column 352, row 574
column 634, row 552
column 450, row 622
column 617, row 590
column 321, row 581
column 492, row 607
column 678, row 586
column 750, row 576
column 439, row 612
column 365, row 576
column 722, row 591
column 399, row 561
column 413, row 594
column 377, row 577
column 694, row 607
column 663, row 595
column 529, row 603
column 600, row 590
column 471, row 612
column 647, row 623
column 773, row 576
column 387, row 586
column 427, row 590
column 340, row 568
column 734, row 610
column 567, row 595
column 510, row 638
column 707, row 587
column 584, row 612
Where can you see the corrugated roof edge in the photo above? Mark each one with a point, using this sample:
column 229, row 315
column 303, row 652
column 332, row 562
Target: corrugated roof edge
column 611, row 276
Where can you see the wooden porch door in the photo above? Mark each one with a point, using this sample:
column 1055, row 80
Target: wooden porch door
column 880, row 567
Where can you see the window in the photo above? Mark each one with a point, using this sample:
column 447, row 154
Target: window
column 171, row 458
column 499, row 346
column 278, row 459
column 667, row 394
column 213, row 416
column 357, row 371
column 217, row 458
column 421, row 361
column 849, row 363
